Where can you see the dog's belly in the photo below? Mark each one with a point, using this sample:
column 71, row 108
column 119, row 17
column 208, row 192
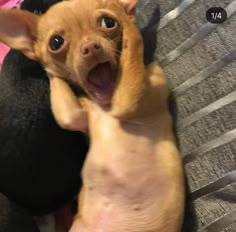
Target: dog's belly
column 126, row 178
column 106, row 215
column 112, row 218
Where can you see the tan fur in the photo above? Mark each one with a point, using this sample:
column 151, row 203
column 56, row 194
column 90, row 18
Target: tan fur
column 133, row 175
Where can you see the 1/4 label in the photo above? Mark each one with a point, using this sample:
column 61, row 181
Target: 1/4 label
column 216, row 15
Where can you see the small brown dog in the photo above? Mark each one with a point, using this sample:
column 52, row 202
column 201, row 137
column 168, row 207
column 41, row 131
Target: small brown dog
column 133, row 176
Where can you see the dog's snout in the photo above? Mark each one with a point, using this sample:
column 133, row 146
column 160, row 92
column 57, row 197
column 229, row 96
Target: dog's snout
column 90, row 48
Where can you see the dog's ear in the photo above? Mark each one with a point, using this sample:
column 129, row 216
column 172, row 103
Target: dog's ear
column 18, row 30
column 129, row 6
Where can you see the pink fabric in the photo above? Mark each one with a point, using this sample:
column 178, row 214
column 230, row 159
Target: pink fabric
column 7, row 4
column 64, row 217
column 3, row 51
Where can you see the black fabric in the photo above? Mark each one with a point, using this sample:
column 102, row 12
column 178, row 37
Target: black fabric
column 38, row 6
column 39, row 162
column 15, row 219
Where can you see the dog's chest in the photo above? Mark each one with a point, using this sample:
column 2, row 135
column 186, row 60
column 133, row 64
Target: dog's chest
column 118, row 157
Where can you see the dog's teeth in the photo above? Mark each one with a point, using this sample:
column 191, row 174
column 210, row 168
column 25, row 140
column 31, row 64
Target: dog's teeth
column 99, row 96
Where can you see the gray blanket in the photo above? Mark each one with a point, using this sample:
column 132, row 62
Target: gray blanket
column 199, row 61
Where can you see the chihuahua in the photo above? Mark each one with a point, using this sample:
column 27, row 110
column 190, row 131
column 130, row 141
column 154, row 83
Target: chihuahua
column 133, row 176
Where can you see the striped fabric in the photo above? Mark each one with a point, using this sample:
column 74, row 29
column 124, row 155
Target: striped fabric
column 199, row 60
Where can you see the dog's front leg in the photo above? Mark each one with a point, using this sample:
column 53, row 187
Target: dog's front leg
column 133, row 84
column 65, row 106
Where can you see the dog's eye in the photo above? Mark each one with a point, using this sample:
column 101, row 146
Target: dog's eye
column 56, row 42
column 109, row 23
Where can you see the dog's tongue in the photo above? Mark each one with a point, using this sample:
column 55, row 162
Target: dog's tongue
column 101, row 76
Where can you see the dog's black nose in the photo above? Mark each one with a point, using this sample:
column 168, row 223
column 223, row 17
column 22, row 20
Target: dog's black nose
column 90, row 48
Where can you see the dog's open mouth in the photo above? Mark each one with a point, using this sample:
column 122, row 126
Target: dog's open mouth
column 101, row 81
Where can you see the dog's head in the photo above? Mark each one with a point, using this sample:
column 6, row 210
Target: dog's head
column 78, row 40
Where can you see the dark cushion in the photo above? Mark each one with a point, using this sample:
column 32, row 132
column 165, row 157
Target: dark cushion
column 39, row 162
